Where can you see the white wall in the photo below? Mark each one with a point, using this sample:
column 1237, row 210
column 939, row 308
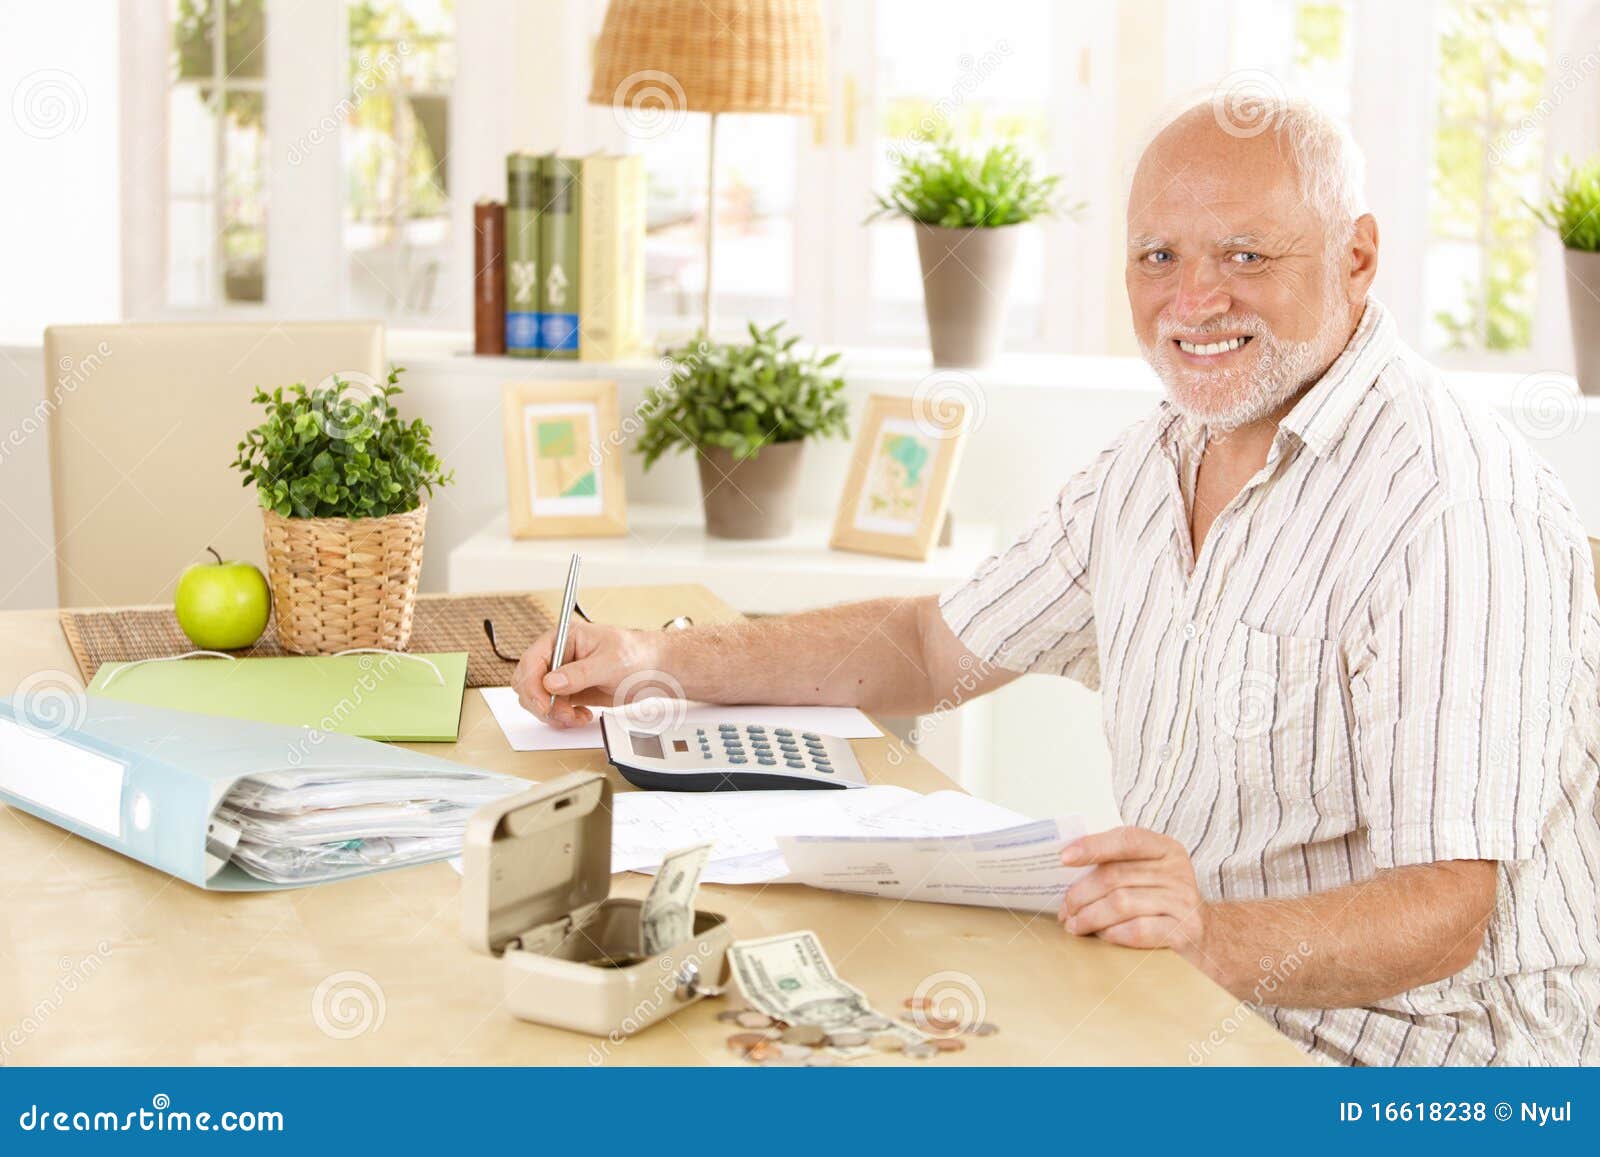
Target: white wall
column 60, row 199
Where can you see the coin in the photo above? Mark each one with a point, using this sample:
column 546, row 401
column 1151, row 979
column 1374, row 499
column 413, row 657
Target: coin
column 819, row 1059
column 729, row 1015
column 764, row 1051
column 922, row 1050
column 743, row 1042
column 794, row 1051
column 847, row 1040
column 916, row 1002
column 750, row 1018
column 888, row 1042
column 873, row 1023
column 940, row 1024
column 985, row 1029
column 947, row 1044
column 804, row 1034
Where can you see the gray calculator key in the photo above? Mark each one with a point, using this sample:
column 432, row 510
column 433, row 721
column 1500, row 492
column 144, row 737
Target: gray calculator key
column 737, row 759
column 809, row 735
column 766, row 760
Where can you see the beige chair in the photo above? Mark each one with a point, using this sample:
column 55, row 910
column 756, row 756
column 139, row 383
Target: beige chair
column 144, row 421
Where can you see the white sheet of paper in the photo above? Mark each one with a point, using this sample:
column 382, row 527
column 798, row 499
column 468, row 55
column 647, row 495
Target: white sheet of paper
column 525, row 732
column 744, row 827
column 1018, row 867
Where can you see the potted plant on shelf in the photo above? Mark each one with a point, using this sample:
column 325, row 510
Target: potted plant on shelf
column 342, row 483
column 965, row 207
column 1573, row 211
column 746, row 408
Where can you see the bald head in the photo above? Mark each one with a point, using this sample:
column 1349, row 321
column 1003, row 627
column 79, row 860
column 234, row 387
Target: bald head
column 1249, row 257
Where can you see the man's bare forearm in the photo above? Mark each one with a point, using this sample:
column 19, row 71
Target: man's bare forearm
column 888, row 655
column 1354, row 945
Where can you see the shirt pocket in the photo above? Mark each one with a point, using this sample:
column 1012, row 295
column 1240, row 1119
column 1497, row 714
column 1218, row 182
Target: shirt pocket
column 1279, row 719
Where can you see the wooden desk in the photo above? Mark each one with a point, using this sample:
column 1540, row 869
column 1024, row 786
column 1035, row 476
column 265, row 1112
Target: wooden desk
column 105, row 961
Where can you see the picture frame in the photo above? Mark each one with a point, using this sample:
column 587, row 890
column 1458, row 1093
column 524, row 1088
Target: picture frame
column 902, row 469
column 563, row 459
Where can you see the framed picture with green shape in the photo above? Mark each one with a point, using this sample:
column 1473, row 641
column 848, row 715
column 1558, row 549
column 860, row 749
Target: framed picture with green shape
column 902, row 469
column 563, row 459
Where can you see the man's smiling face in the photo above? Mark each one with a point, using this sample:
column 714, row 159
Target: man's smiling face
column 1240, row 296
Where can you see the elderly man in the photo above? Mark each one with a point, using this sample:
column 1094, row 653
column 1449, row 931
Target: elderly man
column 1344, row 627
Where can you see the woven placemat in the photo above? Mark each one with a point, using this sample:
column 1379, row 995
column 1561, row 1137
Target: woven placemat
column 443, row 623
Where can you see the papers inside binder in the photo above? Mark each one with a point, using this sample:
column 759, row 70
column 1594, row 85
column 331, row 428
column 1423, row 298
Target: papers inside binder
column 305, row 827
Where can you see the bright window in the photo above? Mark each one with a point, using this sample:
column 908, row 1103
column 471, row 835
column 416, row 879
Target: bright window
column 396, row 148
column 216, row 154
column 1480, row 276
column 754, row 247
column 938, row 72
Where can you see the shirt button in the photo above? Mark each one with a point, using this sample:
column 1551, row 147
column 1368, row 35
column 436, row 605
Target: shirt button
column 1164, row 751
column 1190, row 630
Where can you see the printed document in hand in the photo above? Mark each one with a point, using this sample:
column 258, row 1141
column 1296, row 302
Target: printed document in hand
column 1016, row 867
column 745, row 827
column 525, row 732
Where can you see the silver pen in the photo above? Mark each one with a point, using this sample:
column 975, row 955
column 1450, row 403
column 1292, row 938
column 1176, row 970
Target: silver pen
column 568, row 600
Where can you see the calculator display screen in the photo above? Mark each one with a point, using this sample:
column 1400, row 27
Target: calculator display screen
column 645, row 744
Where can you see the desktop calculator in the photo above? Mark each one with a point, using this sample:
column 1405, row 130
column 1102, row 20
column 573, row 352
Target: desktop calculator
column 727, row 757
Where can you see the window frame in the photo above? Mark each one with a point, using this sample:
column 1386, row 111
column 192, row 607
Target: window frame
column 1391, row 111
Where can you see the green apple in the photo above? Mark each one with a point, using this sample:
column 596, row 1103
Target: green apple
column 223, row 606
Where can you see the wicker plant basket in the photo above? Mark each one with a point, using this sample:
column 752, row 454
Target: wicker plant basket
column 339, row 583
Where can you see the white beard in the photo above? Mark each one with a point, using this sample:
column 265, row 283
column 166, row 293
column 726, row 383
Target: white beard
column 1234, row 398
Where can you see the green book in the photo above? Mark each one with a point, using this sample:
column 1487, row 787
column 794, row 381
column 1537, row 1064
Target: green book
column 559, row 231
column 523, row 198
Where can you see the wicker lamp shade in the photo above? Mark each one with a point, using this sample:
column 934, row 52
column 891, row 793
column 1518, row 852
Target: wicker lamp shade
column 715, row 56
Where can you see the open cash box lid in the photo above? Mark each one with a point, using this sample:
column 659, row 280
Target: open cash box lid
column 539, row 861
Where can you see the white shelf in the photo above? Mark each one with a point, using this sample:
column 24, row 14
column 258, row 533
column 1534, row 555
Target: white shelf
column 668, row 544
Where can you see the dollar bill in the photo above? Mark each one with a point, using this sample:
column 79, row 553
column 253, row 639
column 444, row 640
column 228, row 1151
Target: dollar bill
column 790, row 978
column 667, row 918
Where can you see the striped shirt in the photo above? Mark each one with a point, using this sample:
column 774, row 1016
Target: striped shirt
column 1385, row 654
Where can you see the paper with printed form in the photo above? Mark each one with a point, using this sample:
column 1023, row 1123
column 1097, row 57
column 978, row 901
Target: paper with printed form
column 1018, row 867
column 743, row 826
column 526, row 732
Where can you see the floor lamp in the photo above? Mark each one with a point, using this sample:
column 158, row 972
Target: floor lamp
column 663, row 58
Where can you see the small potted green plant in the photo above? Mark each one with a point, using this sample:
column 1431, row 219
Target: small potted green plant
column 965, row 208
column 342, row 482
column 1573, row 211
column 747, row 409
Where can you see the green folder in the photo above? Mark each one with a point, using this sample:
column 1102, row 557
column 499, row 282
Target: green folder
column 390, row 696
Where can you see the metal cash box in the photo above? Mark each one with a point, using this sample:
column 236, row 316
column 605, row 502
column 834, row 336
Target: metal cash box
column 536, row 893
